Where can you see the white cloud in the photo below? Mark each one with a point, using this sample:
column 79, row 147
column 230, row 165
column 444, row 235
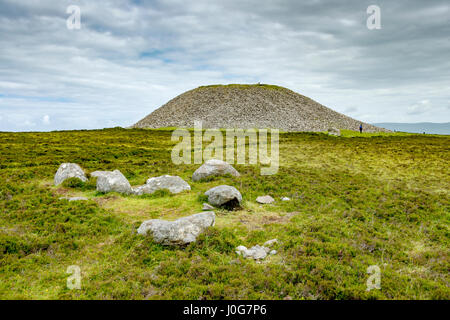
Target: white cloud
column 420, row 107
column 46, row 119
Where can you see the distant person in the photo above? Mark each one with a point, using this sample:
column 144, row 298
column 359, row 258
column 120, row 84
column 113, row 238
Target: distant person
column 360, row 128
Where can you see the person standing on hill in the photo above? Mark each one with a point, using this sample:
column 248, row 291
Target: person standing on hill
column 360, row 128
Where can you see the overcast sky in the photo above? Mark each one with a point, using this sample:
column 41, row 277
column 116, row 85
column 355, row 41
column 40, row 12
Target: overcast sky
column 130, row 57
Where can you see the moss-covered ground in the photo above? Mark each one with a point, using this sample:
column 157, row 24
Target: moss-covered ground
column 357, row 200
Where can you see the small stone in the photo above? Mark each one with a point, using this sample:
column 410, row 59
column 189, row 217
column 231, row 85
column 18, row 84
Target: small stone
column 207, row 207
column 265, row 199
column 285, row 199
column 334, row 132
column 269, row 243
column 74, row 198
column 273, row 252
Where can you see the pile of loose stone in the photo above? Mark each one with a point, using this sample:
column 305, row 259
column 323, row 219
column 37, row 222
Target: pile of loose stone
column 184, row 230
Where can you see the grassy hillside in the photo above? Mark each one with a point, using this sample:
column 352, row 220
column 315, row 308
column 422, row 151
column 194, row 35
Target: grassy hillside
column 356, row 201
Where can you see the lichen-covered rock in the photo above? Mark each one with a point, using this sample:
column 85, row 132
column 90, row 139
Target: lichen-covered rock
column 69, row 170
column 108, row 181
column 214, row 167
column 172, row 183
column 224, row 196
column 265, row 199
column 179, row 232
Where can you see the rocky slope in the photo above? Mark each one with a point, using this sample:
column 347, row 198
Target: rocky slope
column 249, row 106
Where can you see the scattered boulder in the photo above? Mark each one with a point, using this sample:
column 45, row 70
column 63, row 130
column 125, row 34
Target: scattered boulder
column 179, row 232
column 214, row 167
column 265, row 199
column 224, row 196
column 74, row 198
column 69, row 170
column 172, row 183
column 270, row 243
column 98, row 173
column 334, row 132
column 285, row 199
column 207, row 207
column 108, row 181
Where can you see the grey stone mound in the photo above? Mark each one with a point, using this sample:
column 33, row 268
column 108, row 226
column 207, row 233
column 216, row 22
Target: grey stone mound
column 214, row 167
column 109, row 181
column 224, row 196
column 179, row 232
column 249, row 106
column 69, row 170
column 172, row 183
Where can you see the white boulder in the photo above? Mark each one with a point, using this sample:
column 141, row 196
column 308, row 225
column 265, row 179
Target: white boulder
column 226, row 196
column 214, row 167
column 172, row 183
column 179, row 232
column 108, row 181
column 69, row 170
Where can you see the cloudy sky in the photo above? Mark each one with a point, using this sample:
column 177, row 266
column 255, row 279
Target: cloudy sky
column 130, row 57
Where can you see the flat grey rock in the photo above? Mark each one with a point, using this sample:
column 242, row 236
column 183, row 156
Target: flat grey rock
column 172, row 183
column 214, row 167
column 265, row 199
column 179, row 232
column 109, row 181
column 69, row 170
column 226, row 196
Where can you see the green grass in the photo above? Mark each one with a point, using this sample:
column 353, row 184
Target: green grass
column 357, row 200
